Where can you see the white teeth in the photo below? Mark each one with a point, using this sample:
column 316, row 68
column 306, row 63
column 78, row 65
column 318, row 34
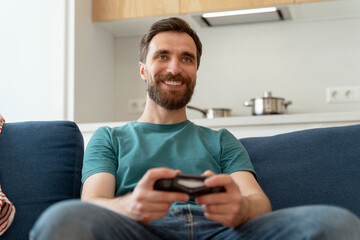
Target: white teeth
column 173, row 83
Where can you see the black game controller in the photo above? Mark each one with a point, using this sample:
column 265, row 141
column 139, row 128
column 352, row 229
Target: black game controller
column 187, row 183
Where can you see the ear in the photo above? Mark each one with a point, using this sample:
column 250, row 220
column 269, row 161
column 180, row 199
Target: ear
column 142, row 70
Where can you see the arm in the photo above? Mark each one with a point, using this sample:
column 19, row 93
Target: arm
column 144, row 204
column 243, row 201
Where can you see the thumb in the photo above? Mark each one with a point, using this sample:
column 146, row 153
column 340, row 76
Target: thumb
column 208, row 173
column 148, row 180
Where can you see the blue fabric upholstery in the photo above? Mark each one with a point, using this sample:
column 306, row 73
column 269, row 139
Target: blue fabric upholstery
column 40, row 164
column 317, row 166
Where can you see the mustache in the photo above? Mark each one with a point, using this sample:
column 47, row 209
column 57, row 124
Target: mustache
column 171, row 77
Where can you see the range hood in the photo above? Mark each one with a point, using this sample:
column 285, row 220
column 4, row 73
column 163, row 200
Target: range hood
column 245, row 16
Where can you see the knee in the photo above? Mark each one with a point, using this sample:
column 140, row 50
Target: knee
column 331, row 222
column 60, row 219
column 311, row 222
column 342, row 220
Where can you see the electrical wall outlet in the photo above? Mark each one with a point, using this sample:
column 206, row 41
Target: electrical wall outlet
column 343, row 94
column 136, row 105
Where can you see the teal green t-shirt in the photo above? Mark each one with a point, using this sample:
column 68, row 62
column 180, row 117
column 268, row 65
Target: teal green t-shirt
column 129, row 151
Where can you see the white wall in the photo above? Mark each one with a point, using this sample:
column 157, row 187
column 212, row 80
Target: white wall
column 94, row 68
column 32, row 60
column 55, row 63
column 296, row 60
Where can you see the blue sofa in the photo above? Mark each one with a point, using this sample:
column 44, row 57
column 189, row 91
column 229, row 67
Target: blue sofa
column 40, row 164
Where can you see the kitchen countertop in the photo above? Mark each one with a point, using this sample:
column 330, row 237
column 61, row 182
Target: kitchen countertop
column 253, row 121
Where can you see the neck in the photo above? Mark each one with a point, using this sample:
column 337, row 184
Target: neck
column 153, row 113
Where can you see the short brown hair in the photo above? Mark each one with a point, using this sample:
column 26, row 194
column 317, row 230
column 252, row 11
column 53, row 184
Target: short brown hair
column 169, row 24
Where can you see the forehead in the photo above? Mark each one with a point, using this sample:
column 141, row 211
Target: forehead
column 172, row 42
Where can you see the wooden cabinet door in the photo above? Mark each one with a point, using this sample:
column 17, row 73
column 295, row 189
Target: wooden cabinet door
column 190, row 6
column 106, row 10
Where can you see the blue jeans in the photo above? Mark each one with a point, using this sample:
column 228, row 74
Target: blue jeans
column 79, row 220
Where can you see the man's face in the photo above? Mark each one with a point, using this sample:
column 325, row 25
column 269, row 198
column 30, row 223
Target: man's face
column 170, row 69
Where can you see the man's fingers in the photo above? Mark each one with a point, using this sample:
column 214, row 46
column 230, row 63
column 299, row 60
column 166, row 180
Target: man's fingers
column 208, row 173
column 144, row 207
column 220, row 208
column 154, row 196
column 165, row 196
column 221, row 180
column 148, row 180
column 147, row 212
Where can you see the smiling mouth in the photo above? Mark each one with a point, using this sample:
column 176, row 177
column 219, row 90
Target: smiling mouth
column 173, row 83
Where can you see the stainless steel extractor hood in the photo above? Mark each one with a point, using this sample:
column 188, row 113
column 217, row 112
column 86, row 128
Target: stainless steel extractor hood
column 244, row 16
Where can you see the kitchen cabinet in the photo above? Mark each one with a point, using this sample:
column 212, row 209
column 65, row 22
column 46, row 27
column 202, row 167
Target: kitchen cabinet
column 106, row 10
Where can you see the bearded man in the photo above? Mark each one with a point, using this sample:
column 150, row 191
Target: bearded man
column 122, row 164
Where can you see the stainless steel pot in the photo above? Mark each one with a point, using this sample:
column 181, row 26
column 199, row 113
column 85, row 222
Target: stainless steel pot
column 267, row 105
column 213, row 112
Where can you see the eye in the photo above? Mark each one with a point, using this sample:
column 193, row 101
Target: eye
column 162, row 57
column 187, row 60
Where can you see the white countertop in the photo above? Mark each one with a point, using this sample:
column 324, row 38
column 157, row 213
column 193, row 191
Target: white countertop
column 253, row 121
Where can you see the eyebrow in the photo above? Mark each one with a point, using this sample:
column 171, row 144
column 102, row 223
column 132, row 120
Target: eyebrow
column 189, row 54
column 163, row 51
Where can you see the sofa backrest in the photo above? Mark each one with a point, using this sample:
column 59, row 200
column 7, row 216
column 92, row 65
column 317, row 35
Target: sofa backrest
column 40, row 164
column 316, row 166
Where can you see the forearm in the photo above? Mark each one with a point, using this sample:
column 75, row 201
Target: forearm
column 143, row 204
column 116, row 204
column 256, row 205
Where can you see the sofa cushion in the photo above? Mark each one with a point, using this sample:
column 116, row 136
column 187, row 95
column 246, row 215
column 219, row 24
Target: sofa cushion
column 317, row 166
column 40, row 164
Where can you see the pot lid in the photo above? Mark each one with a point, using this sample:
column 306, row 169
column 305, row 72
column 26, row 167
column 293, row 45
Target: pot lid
column 268, row 95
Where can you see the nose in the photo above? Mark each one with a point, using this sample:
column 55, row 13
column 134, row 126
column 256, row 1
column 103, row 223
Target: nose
column 174, row 67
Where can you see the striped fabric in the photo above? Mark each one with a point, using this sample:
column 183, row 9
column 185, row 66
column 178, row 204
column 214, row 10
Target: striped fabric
column 7, row 209
column 7, row 212
column 2, row 121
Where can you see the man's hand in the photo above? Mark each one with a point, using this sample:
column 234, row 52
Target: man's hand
column 229, row 208
column 145, row 204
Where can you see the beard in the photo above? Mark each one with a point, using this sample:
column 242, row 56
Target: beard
column 168, row 99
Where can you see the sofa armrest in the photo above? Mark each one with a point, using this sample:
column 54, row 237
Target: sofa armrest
column 40, row 164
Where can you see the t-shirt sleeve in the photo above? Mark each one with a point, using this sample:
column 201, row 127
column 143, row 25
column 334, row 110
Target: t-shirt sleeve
column 99, row 154
column 234, row 156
